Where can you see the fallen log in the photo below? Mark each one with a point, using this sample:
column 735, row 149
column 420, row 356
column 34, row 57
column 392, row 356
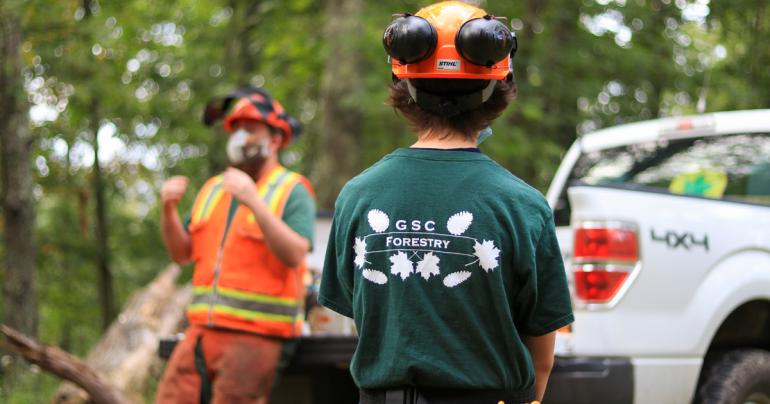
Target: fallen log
column 66, row 366
column 117, row 369
column 127, row 353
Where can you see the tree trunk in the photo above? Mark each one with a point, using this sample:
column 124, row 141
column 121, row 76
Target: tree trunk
column 239, row 59
column 106, row 291
column 340, row 93
column 19, row 286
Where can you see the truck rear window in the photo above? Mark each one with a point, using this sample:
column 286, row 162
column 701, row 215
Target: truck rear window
column 732, row 167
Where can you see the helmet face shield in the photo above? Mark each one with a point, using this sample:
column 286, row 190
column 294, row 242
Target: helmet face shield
column 469, row 44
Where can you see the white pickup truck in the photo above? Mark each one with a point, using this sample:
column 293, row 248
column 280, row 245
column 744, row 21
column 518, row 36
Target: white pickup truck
column 665, row 231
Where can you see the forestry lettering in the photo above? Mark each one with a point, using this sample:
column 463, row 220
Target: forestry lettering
column 416, row 242
column 416, row 247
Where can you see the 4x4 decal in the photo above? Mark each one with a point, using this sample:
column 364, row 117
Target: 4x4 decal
column 675, row 240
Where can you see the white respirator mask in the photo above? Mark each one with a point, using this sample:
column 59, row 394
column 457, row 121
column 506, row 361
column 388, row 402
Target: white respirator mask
column 239, row 151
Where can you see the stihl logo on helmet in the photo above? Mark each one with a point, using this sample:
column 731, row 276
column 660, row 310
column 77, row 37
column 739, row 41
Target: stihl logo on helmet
column 255, row 104
column 447, row 64
column 434, row 42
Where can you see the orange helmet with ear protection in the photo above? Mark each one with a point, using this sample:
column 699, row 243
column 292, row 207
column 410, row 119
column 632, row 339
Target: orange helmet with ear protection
column 451, row 40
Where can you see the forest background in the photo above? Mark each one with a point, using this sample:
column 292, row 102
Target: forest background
column 100, row 101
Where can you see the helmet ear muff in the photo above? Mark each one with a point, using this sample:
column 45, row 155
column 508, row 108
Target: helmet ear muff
column 410, row 39
column 485, row 41
column 294, row 126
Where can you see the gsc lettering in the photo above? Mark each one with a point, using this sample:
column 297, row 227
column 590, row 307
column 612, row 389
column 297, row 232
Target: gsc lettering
column 685, row 240
column 415, row 225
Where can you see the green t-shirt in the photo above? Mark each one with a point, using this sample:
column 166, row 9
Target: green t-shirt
column 298, row 214
column 445, row 260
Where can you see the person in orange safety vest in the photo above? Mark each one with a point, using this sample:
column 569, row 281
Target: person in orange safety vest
column 248, row 234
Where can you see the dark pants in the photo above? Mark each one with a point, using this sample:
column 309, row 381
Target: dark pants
column 412, row 395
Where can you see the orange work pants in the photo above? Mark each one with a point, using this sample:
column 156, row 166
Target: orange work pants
column 241, row 367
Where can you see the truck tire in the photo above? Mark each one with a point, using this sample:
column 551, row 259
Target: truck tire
column 735, row 377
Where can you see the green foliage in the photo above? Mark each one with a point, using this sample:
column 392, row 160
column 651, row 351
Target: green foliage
column 32, row 386
column 139, row 73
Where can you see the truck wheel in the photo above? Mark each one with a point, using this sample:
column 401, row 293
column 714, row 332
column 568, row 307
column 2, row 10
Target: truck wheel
column 740, row 376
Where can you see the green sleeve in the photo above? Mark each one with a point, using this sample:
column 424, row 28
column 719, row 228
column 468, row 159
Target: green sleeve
column 299, row 213
column 336, row 291
column 551, row 308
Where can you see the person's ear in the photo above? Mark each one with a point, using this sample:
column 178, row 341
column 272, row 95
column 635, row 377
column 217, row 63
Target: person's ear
column 276, row 140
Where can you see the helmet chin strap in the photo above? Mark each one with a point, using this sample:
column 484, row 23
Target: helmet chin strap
column 448, row 106
column 511, row 78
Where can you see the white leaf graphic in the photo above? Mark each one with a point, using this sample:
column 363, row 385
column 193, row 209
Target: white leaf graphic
column 456, row 278
column 375, row 276
column 428, row 265
column 487, row 254
column 378, row 220
column 459, row 222
column 402, row 266
column 360, row 249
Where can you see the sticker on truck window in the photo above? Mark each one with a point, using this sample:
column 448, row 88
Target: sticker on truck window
column 708, row 183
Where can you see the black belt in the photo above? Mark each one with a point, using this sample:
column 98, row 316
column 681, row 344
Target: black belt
column 423, row 395
column 200, row 366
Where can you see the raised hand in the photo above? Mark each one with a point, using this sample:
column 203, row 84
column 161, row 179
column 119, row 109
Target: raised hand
column 173, row 190
column 240, row 185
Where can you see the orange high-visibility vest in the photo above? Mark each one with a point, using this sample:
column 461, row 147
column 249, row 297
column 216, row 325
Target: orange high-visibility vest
column 238, row 282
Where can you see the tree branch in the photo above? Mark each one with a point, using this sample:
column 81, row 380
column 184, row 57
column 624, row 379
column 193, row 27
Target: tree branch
column 66, row 366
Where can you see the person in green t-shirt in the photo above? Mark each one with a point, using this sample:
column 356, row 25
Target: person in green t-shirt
column 447, row 262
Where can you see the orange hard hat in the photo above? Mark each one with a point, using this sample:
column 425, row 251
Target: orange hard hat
column 254, row 104
column 451, row 40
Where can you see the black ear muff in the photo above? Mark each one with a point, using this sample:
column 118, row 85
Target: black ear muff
column 296, row 127
column 410, row 39
column 485, row 41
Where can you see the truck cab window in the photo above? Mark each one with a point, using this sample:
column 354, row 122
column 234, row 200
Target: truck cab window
column 734, row 167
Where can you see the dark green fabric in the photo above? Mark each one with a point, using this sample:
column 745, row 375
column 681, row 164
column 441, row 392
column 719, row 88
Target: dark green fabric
column 481, row 270
column 200, row 366
column 230, row 215
column 299, row 213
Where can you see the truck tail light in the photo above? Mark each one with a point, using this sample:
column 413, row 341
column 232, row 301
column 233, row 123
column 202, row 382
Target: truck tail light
column 606, row 258
column 606, row 244
column 598, row 285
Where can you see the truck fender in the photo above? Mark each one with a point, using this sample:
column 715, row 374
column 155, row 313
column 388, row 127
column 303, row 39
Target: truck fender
column 734, row 280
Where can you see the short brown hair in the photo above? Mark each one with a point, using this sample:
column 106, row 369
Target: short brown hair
column 468, row 123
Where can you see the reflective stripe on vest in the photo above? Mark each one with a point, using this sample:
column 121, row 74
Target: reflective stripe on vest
column 280, row 182
column 246, row 305
column 208, row 199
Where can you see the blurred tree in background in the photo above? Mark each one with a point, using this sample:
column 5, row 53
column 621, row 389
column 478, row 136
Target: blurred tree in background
column 115, row 91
